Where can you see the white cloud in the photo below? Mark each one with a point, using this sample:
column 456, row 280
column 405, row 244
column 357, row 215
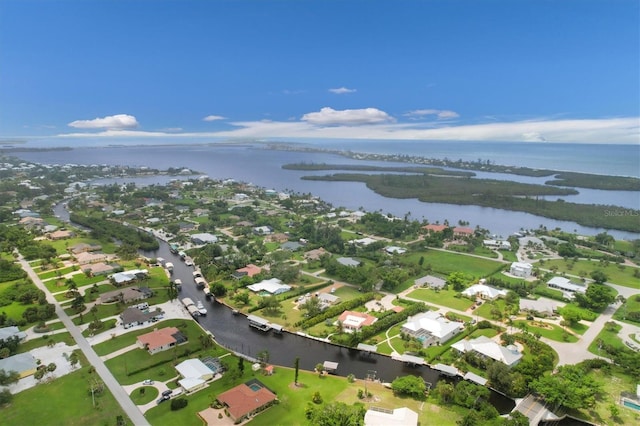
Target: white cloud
column 342, row 90
column 442, row 114
column 372, row 123
column 118, row 121
column 348, row 117
column 213, row 118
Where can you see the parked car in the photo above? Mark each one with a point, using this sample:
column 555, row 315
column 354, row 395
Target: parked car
column 162, row 399
column 148, row 382
column 167, row 392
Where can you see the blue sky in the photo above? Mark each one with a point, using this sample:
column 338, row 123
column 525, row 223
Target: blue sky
column 498, row 70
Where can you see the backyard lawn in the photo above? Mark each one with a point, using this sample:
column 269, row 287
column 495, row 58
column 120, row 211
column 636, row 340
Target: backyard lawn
column 550, row 331
column 448, row 298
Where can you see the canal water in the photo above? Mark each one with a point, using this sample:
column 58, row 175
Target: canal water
column 234, row 333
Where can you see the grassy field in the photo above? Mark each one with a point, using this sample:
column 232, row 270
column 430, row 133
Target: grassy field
column 617, row 274
column 442, row 297
column 44, row 340
column 65, row 401
column 15, row 310
column 447, row 262
column 631, row 305
column 550, row 331
column 144, row 395
column 609, row 336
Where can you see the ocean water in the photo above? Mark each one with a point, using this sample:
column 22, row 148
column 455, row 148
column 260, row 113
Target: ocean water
column 263, row 167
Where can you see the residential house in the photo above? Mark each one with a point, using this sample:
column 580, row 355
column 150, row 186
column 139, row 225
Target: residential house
column 186, row 226
column 84, row 247
column 161, row 340
column 541, row 307
column 348, row 261
column 431, row 282
column 521, row 269
column 100, row 268
column 567, row 287
column 353, row 321
column 459, row 231
column 204, row 238
column 316, row 254
column 262, row 230
column 291, row 246
column 194, row 373
column 497, row 244
column 431, row 328
column 483, row 291
column 485, row 347
column 127, row 277
column 431, row 228
column 272, row 286
column 60, row 235
column 395, row 250
column 126, row 295
column 278, row 237
column 12, row 332
column 248, row 271
column 246, row 400
column 85, row 258
column 133, row 316
column 25, row 364
column 384, row 417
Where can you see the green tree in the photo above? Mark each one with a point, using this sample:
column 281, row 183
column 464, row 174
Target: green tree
column 412, row 386
column 598, row 276
column 296, row 366
column 337, row 413
column 8, row 377
column 457, row 281
column 571, row 387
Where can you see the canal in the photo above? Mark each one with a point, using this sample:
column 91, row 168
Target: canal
column 233, row 332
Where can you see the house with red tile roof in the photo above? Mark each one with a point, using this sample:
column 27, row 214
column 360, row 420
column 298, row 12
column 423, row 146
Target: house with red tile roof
column 161, row 340
column 434, row 228
column 248, row 271
column 462, row 232
column 353, row 321
column 246, row 399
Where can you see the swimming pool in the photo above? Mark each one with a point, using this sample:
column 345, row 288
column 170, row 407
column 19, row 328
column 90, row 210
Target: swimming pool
column 255, row 387
column 631, row 404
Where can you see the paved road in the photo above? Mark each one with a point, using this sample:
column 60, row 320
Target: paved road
column 116, row 390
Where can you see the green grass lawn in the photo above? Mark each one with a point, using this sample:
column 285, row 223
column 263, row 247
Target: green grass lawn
column 617, row 274
column 632, row 304
column 137, row 365
column 478, row 251
column 44, row 340
column 65, row 401
column 447, row 262
column 550, row 331
column 107, row 325
column 144, row 395
column 442, row 297
column 15, row 310
column 609, row 336
column 56, row 272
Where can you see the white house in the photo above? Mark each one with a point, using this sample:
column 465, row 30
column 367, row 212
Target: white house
column 566, row 286
column 194, row 374
column 204, row 238
column 483, row 291
column 497, row 244
column 521, row 269
column 488, row 348
column 431, row 328
column 273, row 286
column 383, row 417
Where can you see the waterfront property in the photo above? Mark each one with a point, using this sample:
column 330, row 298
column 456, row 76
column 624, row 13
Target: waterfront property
column 353, row 321
column 376, row 416
column 133, row 316
column 272, row 286
column 246, row 400
column 485, row 347
column 431, row 328
column 248, row 271
column 195, row 375
column 127, row 277
column 259, row 323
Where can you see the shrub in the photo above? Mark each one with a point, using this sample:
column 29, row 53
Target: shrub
column 178, row 403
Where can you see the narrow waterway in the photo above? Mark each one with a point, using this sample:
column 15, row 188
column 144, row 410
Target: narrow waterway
column 233, row 332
